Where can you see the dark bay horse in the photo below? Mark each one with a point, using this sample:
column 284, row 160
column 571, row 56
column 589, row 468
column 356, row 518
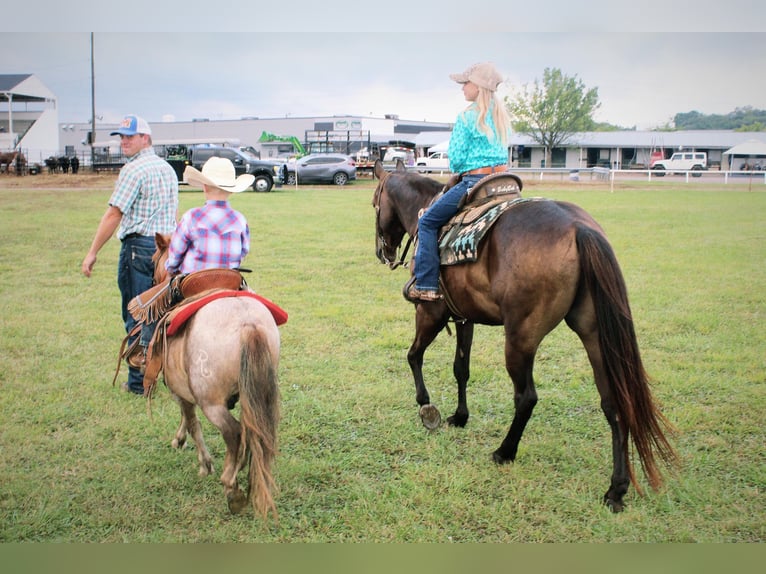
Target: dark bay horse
column 228, row 352
column 542, row 262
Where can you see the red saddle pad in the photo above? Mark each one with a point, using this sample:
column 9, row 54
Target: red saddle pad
column 279, row 314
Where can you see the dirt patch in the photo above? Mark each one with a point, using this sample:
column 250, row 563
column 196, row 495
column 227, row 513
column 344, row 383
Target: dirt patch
column 103, row 180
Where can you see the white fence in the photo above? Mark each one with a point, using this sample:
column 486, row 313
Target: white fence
column 605, row 174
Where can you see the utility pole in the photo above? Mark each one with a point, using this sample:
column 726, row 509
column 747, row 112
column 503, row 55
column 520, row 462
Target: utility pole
column 92, row 108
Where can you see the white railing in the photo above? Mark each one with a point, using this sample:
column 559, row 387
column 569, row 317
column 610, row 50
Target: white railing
column 606, row 174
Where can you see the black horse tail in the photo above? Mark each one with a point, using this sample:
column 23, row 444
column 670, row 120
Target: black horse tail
column 637, row 414
column 259, row 399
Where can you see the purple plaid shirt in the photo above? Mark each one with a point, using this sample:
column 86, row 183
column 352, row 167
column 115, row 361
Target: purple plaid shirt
column 207, row 237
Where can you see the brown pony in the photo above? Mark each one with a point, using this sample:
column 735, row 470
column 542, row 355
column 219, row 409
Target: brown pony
column 542, row 262
column 228, row 352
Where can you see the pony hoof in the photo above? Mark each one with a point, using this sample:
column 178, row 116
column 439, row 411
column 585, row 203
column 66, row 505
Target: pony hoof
column 430, row 417
column 178, row 443
column 237, row 501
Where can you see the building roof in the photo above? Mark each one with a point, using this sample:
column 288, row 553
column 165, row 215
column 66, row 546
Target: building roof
column 749, row 147
column 688, row 139
column 23, row 88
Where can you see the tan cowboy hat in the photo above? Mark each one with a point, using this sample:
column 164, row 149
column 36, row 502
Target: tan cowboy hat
column 219, row 172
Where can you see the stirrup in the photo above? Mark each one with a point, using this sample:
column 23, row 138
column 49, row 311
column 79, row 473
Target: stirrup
column 415, row 295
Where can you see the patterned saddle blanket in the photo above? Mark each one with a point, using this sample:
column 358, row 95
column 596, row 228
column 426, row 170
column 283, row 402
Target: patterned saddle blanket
column 459, row 239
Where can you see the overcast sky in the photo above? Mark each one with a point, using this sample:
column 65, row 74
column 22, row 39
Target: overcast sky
column 274, row 63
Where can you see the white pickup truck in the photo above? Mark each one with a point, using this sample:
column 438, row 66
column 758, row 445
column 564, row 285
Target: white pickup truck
column 437, row 161
column 681, row 161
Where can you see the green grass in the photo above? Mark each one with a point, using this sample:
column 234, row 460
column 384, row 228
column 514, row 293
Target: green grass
column 83, row 461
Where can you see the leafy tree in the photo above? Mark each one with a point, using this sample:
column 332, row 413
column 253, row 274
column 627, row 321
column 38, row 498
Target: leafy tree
column 552, row 111
column 743, row 119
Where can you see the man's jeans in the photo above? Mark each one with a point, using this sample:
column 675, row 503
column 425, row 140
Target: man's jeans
column 427, row 255
column 135, row 274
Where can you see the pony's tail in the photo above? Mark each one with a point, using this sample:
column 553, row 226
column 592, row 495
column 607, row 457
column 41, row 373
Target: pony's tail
column 259, row 399
column 638, row 416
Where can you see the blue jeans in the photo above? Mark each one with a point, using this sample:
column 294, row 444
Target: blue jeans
column 135, row 274
column 427, row 254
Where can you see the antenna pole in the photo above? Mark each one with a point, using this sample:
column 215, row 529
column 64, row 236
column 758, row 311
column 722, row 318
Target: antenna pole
column 92, row 107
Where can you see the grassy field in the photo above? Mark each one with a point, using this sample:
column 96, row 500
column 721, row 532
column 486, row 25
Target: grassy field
column 84, row 462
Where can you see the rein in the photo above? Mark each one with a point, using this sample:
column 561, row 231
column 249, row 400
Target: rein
column 376, row 204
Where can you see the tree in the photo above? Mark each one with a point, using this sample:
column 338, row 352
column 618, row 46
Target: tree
column 551, row 111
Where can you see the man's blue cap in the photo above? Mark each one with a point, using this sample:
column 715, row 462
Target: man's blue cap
column 131, row 126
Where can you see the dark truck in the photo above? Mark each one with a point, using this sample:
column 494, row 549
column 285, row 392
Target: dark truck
column 268, row 173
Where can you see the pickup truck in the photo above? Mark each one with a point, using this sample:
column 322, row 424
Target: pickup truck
column 680, row 162
column 437, row 161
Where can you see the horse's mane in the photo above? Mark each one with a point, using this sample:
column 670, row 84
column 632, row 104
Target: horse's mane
column 406, row 184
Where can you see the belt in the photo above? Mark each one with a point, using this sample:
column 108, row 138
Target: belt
column 486, row 170
column 133, row 236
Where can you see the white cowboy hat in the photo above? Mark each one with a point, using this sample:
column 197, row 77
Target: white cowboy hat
column 219, row 172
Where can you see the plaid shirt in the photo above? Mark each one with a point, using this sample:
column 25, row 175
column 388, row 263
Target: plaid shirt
column 146, row 193
column 207, row 237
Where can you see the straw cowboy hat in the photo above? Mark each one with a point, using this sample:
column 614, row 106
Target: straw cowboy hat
column 219, row 172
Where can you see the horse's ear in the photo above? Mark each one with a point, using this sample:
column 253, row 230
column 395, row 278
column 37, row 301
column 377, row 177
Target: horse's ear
column 400, row 165
column 377, row 169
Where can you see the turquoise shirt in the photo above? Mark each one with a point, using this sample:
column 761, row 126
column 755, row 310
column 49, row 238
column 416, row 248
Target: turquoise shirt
column 470, row 148
column 146, row 193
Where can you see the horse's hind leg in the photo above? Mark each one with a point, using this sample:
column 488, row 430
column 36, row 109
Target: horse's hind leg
column 584, row 324
column 235, row 457
column 519, row 365
column 190, row 423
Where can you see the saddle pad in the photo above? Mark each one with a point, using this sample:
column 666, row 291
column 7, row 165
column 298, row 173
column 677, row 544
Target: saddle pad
column 187, row 311
column 460, row 239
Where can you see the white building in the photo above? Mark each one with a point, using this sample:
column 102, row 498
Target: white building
column 28, row 117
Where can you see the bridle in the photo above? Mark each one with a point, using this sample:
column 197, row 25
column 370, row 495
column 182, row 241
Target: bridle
column 382, row 240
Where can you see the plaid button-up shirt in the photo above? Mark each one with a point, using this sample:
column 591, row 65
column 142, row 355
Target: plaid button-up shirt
column 146, row 193
column 208, row 237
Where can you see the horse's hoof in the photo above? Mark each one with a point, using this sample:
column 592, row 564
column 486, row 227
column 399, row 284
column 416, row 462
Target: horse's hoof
column 237, row 501
column 457, row 421
column 614, row 505
column 176, row 443
column 500, row 459
column 430, row 416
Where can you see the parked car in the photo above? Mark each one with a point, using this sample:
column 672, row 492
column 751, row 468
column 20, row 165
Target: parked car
column 267, row 172
column 437, row 161
column 681, row 162
column 396, row 152
column 321, row 168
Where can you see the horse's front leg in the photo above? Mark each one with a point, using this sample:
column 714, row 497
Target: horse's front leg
column 461, row 368
column 430, row 319
column 519, row 365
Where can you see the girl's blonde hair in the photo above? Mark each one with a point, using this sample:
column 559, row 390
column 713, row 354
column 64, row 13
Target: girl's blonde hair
column 485, row 101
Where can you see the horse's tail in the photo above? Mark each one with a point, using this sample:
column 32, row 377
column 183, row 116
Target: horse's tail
column 259, row 399
column 638, row 416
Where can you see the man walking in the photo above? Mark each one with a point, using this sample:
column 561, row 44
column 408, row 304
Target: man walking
column 144, row 202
